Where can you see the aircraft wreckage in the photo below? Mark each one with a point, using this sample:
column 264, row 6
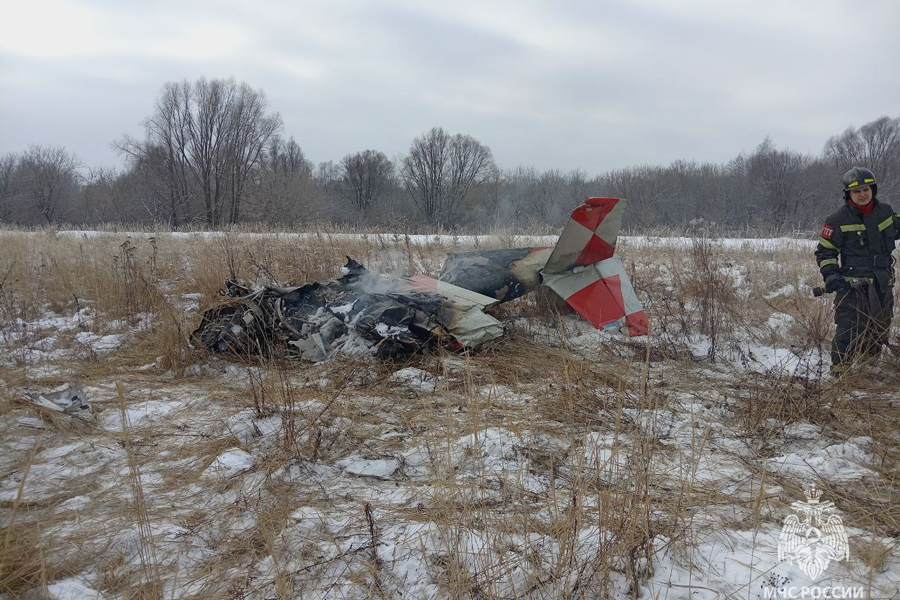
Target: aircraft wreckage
column 363, row 312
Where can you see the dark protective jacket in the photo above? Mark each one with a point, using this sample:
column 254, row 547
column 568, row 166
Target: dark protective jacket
column 863, row 243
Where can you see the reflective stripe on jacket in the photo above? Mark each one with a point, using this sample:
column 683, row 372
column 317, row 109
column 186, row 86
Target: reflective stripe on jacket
column 849, row 233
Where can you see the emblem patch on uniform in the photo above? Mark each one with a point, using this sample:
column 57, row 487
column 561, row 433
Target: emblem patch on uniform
column 827, row 230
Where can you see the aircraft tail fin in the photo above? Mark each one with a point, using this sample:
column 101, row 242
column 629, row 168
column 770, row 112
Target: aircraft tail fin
column 581, row 268
column 589, row 236
column 602, row 294
column 584, row 272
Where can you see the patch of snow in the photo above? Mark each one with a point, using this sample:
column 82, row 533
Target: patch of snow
column 140, row 412
column 311, row 518
column 787, row 290
column 231, row 462
column 61, row 323
column 500, row 395
column 61, row 451
column 765, row 358
column 493, row 450
column 600, row 452
column 736, row 274
column 802, row 431
column 32, row 422
column 246, row 427
column 780, row 321
column 416, row 378
column 75, row 503
column 381, row 468
column 404, row 550
column 838, row 462
column 100, row 343
column 72, row 589
column 493, row 391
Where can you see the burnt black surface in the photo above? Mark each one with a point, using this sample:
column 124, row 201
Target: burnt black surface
column 409, row 320
column 253, row 323
column 488, row 272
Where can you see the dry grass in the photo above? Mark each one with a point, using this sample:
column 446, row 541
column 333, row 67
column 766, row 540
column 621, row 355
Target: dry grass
column 575, row 519
column 22, row 564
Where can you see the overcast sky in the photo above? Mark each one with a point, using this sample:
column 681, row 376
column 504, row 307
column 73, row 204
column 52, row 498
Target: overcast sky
column 567, row 84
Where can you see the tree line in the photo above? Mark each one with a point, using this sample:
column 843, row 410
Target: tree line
column 213, row 154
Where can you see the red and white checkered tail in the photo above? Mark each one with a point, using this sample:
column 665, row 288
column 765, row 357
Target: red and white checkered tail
column 589, row 236
column 583, row 270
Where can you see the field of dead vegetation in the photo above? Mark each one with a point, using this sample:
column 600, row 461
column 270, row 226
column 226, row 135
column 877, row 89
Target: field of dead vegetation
column 555, row 462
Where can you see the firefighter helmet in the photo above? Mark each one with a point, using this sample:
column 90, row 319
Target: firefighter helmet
column 858, row 177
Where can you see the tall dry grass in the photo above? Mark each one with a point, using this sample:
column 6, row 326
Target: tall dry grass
column 498, row 538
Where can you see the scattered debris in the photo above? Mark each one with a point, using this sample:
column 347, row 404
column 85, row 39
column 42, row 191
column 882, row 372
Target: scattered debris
column 359, row 312
column 363, row 312
column 65, row 398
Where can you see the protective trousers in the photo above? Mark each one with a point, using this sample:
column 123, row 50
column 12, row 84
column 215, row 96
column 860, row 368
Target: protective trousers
column 863, row 317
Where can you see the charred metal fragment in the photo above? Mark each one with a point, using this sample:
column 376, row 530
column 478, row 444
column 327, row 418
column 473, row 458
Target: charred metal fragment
column 503, row 274
column 358, row 312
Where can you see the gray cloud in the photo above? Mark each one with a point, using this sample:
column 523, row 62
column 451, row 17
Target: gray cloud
column 594, row 85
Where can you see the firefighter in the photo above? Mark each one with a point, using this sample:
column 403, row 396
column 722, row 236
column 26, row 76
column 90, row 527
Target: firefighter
column 854, row 257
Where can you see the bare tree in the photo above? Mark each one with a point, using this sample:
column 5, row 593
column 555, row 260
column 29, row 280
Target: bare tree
column 491, row 213
column 108, row 195
column 576, row 180
column 645, row 189
column 8, row 188
column 780, row 177
column 251, row 129
column 161, row 182
column 327, row 175
column 549, row 199
column 365, row 178
column 519, row 194
column 48, row 176
column 206, row 136
column 875, row 145
column 441, row 170
column 163, row 158
column 286, row 158
column 284, row 186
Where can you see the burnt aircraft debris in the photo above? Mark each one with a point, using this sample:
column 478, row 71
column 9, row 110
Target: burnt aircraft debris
column 69, row 399
column 358, row 312
column 363, row 312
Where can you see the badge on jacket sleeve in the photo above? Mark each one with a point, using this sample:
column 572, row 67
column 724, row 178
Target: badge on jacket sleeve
column 827, row 230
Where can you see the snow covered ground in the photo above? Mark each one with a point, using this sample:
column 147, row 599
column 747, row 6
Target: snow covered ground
column 557, row 463
column 474, row 241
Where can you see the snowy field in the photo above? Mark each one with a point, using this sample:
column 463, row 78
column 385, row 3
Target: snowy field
column 470, row 241
column 557, row 462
